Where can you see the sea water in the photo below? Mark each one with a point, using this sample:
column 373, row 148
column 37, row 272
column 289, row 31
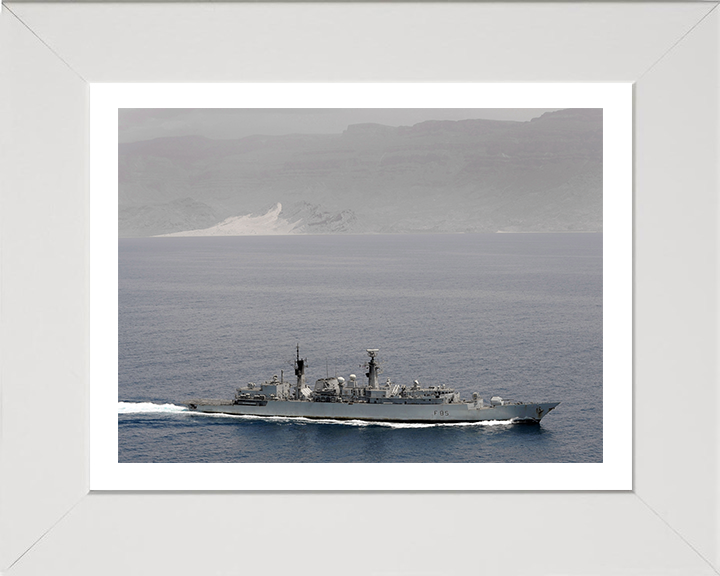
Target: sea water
column 513, row 315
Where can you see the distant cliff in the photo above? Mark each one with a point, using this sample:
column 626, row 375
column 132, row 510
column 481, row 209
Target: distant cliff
column 436, row 176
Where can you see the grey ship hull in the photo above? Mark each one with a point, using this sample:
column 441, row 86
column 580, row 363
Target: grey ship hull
column 380, row 412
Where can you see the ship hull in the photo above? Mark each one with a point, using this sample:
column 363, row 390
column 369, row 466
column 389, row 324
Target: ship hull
column 434, row 413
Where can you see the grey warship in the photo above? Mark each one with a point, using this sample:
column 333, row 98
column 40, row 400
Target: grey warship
column 335, row 398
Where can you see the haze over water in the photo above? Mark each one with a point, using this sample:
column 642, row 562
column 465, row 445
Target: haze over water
column 514, row 315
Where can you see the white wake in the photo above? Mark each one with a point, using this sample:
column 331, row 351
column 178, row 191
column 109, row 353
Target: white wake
column 148, row 408
column 151, row 408
column 358, row 423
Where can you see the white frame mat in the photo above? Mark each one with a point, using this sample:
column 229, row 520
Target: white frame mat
column 50, row 522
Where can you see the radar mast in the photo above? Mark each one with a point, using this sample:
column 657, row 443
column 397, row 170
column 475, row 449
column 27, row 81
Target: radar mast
column 299, row 373
column 372, row 372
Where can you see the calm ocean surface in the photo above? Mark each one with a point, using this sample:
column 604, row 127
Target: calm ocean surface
column 514, row 315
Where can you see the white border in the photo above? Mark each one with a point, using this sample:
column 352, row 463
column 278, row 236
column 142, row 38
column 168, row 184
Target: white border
column 614, row 473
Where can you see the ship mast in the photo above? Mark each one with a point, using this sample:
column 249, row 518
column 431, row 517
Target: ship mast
column 372, row 372
column 299, row 373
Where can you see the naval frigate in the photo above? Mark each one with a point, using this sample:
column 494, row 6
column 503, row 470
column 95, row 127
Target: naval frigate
column 335, row 398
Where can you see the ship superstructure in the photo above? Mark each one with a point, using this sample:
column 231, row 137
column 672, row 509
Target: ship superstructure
column 340, row 399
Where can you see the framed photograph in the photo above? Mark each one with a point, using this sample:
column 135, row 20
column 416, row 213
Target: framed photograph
column 69, row 487
column 359, row 191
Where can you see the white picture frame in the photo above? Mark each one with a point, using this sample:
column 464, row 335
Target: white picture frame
column 50, row 52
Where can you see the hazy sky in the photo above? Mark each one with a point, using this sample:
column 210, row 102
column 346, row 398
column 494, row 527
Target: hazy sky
column 147, row 123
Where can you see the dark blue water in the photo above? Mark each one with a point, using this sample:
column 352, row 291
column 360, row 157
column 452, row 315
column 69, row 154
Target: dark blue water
column 514, row 315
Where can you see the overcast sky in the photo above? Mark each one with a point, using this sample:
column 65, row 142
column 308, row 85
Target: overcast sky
column 148, row 123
